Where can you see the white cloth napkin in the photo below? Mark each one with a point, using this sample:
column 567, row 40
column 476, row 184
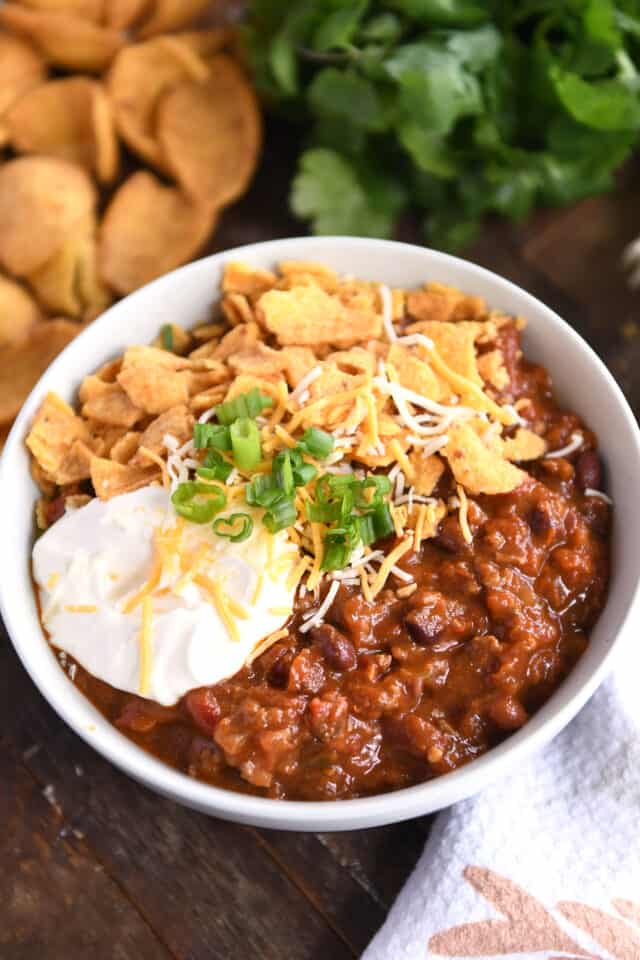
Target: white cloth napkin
column 544, row 865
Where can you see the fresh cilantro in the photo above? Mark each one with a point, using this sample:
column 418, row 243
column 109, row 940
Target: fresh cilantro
column 455, row 108
column 340, row 199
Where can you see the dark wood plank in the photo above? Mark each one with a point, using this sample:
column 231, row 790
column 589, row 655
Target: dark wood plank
column 207, row 887
column 342, row 893
column 382, row 858
column 57, row 900
column 580, row 251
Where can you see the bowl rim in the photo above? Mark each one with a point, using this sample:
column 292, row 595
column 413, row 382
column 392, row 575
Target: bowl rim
column 337, row 814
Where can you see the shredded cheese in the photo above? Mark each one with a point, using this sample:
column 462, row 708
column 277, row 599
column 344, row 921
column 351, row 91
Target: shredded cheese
column 402, row 574
column 575, row 442
column 305, row 383
column 590, row 492
column 386, row 303
column 403, row 592
column 366, row 586
column 281, row 407
column 146, row 589
column 284, row 435
column 236, row 608
column 145, row 646
column 191, row 567
column 401, row 457
column 418, row 533
column 155, row 458
column 80, row 608
column 466, row 386
column 314, row 577
column 397, row 520
column 316, row 617
column 258, row 589
column 324, row 402
column 264, row 645
column 389, row 561
column 220, row 602
column 372, row 421
column 297, row 572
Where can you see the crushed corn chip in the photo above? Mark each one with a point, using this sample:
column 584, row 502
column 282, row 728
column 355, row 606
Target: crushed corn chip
column 427, row 470
column 125, row 447
column 305, row 316
column 249, row 281
column 415, row 374
column 476, row 466
column 440, row 303
column 524, row 445
column 492, row 369
column 177, row 422
column 53, row 439
column 108, row 403
column 110, row 479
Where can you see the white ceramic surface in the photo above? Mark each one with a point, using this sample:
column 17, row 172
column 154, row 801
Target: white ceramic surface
column 185, row 296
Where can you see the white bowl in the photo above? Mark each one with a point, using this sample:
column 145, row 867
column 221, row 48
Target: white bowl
column 582, row 382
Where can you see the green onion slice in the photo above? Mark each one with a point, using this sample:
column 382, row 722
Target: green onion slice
column 338, row 545
column 214, row 467
column 304, row 474
column 280, row 515
column 211, row 435
column 379, row 486
column 166, row 334
column 261, row 491
column 382, row 521
column 249, row 404
column 317, row 443
column 282, row 471
column 245, row 443
column 236, row 527
column 198, row 510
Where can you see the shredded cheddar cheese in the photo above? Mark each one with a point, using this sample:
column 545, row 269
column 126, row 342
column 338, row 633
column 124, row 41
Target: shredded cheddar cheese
column 220, row 602
column 314, row 577
column 146, row 589
column 389, row 561
column 145, row 646
column 264, row 645
column 258, row 589
column 155, row 458
column 401, row 458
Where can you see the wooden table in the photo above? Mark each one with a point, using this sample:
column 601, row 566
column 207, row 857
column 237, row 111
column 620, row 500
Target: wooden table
column 94, row 866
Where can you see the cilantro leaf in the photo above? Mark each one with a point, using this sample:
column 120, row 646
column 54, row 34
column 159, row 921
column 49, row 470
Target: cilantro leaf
column 340, row 199
column 458, row 108
column 434, row 86
column 338, row 29
column 602, row 104
column 346, row 95
column 447, row 12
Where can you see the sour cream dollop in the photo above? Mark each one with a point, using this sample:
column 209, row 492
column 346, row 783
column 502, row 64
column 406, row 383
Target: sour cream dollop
column 155, row 605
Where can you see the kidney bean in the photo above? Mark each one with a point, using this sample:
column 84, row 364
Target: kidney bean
column 539, row 521
column 450, row 536
column 204, row 708
column 507, row 712
column 588, row 470
column 424, row 626
column 336, row 649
